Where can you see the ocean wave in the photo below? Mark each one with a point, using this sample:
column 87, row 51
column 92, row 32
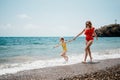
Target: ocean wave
column 37, row 43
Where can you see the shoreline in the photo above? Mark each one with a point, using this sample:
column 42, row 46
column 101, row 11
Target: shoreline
column 66, row 72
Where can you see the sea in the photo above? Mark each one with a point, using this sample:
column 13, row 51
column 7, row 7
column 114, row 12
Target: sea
column 26, row 53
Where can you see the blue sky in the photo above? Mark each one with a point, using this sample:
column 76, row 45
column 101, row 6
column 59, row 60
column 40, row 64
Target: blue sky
column 55, row 17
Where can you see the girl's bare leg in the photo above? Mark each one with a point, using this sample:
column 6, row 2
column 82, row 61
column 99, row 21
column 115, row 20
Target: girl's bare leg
column 64, row 56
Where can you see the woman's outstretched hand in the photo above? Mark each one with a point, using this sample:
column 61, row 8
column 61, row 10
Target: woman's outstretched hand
column 74, row 38
column 70, row 40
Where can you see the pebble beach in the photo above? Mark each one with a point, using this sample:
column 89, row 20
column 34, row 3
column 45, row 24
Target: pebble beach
column 108, row 69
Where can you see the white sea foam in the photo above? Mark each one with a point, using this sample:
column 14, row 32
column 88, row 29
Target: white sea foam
column 16, row 67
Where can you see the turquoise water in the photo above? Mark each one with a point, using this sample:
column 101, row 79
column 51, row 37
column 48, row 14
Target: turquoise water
column 19, row 51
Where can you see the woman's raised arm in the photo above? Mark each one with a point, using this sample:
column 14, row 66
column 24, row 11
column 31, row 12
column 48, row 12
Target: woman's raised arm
column 79, row 34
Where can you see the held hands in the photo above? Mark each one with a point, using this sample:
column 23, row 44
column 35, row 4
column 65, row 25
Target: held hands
column 56, row 46
column 70, row 40
column 74, row 38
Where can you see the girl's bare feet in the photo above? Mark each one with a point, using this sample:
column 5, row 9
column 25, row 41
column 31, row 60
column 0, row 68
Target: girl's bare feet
column 66, row 58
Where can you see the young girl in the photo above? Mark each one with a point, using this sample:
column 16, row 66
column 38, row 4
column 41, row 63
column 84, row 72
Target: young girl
column 89, row 33
column 64, row 46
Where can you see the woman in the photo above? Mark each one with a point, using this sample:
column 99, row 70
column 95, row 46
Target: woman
column 90, row 33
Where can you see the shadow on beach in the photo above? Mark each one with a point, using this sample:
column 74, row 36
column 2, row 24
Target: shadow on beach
column 93, row 62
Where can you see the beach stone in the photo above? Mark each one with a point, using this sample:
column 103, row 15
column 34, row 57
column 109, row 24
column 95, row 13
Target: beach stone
column 112, row 73
column 105, row 70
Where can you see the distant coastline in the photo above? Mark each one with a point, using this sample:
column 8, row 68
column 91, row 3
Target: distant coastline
column 112, row 30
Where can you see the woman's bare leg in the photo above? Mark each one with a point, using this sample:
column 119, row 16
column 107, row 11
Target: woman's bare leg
column 86, row 53
column 88, row 44
column 89, row 51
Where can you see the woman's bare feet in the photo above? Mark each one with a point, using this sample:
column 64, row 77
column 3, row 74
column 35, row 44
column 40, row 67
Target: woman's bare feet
column 84, row 62
column 91, row 60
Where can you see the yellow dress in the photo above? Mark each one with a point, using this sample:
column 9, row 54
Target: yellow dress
column 64, row 46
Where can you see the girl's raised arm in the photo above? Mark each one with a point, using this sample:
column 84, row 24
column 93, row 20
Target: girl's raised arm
column 56, row 45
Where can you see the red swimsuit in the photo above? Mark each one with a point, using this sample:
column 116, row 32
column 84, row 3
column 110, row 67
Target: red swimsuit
column 89, row 34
